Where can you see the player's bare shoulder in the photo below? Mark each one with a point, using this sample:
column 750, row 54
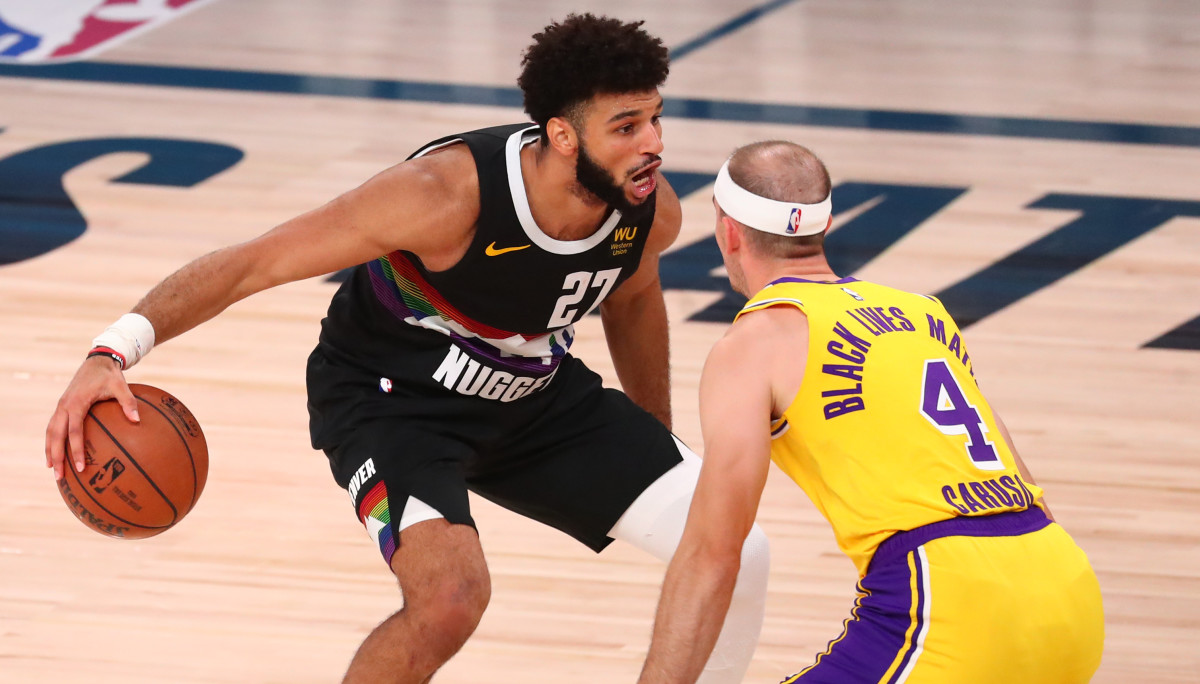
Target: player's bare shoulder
column 774, row 331
column 451, row 167
column 771, row 344
column 430, row 202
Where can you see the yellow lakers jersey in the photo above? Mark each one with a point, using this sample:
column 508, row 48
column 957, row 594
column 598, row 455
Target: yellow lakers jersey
column 889, row 430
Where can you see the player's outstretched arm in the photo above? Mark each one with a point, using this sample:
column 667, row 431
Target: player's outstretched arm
column 635, row 317
column 735, row 409
column 427, row 206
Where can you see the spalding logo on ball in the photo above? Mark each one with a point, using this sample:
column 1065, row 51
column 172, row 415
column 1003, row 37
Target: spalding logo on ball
column 139, row 479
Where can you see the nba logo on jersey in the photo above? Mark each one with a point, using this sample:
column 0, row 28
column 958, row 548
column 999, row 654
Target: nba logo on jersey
column 793, row 221
column 44, row 31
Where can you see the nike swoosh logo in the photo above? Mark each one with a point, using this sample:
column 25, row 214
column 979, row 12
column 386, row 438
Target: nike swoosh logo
column 491, row 250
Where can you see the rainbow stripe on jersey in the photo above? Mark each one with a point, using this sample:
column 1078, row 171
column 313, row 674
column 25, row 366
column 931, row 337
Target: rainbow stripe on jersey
column 401, row 289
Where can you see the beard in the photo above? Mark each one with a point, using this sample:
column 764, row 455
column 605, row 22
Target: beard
column 596, row 180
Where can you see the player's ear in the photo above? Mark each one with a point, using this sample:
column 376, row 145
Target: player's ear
column 563, row 136
column 731, row 233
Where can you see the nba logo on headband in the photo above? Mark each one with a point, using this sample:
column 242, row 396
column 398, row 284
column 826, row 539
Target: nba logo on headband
column 793, row 222
column 768, row 215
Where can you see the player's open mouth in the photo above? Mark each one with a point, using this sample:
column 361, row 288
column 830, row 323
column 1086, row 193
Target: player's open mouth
column 644, row 181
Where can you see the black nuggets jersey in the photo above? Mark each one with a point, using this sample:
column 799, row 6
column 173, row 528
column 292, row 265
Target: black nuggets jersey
column 508, row 304
column 427, row 384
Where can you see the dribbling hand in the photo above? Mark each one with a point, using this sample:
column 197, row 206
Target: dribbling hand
column 99, row 378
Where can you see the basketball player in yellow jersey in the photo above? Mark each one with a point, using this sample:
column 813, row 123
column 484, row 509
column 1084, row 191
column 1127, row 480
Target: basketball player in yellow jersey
column 865, row 396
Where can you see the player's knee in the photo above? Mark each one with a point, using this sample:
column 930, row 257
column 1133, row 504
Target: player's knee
column 756, row 563
column 450, row 608
column 462, row 601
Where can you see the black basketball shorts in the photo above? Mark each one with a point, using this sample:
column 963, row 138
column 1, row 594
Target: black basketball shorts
column 573, row 454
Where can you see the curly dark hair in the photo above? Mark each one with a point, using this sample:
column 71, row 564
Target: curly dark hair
column 570, row 62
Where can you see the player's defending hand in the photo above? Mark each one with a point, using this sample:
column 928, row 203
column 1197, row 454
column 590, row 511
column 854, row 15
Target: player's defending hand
column 99, row 378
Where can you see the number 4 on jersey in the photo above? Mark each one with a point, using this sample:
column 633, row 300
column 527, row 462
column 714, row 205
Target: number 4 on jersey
column 944, row 404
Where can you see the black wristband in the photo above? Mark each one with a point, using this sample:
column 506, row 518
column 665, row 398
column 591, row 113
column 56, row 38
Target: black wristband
column 110, row 353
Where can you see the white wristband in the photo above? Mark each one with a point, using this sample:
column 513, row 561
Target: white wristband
column 131, row 336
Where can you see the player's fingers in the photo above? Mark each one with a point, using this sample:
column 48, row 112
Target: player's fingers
column 55, row 440
column 75, row 438
column 128, row 402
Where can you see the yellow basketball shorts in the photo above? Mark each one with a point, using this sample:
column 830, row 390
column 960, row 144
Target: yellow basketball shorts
column 995, row 599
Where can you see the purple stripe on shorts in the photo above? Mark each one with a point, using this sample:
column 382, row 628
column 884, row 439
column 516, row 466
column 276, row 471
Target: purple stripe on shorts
column 1009, row 524
column 874, row 635
column 919, row 569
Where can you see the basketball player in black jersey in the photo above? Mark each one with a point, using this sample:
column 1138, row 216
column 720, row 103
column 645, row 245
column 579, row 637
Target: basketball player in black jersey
column 443, row 363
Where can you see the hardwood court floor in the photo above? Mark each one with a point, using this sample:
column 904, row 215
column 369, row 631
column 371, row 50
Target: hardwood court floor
column 1044, row 154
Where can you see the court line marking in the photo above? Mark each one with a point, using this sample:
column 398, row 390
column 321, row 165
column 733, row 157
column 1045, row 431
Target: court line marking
column 944, row 123
column 749, row 16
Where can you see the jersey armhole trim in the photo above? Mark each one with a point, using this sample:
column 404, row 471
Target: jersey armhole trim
column 768, row 303
column 432, row 148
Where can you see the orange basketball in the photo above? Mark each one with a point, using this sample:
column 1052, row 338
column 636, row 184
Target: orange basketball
column 140, row 479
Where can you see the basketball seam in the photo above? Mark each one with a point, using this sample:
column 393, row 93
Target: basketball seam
column 188, row 447
column 149, row 480
column 84, row 488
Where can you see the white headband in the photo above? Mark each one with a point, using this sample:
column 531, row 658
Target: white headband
column 771, row 216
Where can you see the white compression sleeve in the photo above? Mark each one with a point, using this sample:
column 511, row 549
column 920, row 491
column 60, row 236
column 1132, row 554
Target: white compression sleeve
column 655, row 522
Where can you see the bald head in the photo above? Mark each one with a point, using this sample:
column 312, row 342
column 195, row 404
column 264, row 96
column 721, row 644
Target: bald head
column 785, row 172
column 780, row 170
